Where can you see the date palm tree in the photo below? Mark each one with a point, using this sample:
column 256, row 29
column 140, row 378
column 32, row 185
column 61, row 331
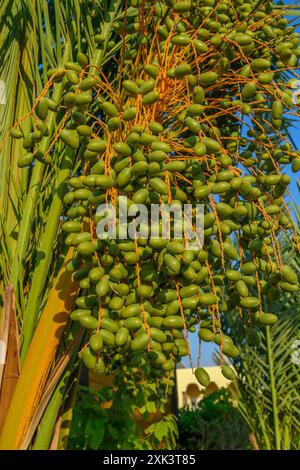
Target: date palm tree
column 40, row 41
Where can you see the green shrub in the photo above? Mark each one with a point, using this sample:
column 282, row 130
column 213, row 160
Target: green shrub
column 215, row 424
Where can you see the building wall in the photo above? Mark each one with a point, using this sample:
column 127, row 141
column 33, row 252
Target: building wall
column 189, row 391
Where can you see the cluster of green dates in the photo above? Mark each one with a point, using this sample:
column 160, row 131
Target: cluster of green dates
column 200, row 122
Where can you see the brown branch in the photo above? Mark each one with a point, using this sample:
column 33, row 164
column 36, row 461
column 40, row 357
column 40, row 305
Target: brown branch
column 10, row 370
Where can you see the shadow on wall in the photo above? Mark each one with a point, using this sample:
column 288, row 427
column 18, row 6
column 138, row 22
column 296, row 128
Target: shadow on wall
column 192, row 395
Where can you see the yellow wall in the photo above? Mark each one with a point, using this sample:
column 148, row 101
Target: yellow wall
column 186, row 382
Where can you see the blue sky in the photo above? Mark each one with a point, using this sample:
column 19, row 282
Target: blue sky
column 209, row 348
